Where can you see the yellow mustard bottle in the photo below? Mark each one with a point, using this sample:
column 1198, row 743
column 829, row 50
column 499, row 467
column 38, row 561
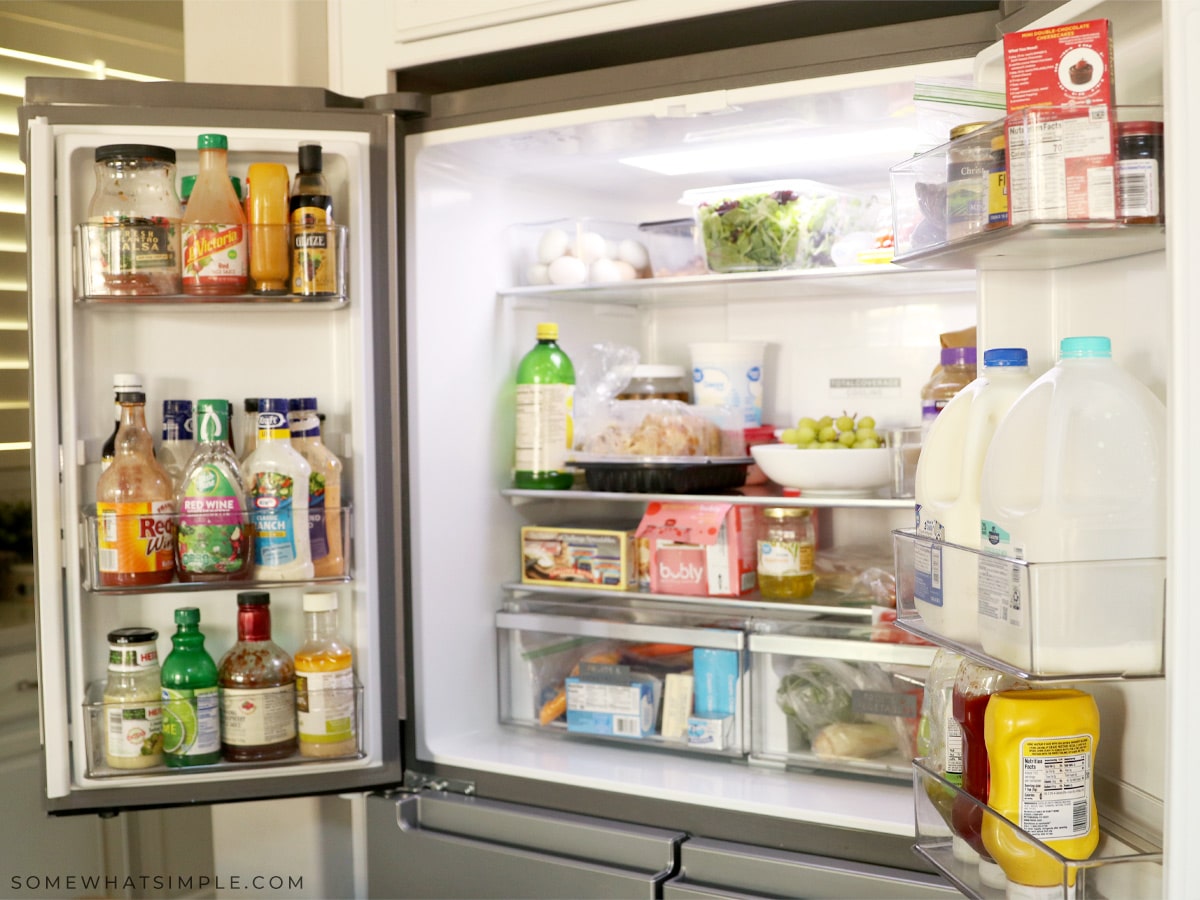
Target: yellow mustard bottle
column 1041, row 748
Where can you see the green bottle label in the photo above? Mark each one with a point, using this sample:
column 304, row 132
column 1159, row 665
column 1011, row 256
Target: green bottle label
column 212, row 534
column 191, row 721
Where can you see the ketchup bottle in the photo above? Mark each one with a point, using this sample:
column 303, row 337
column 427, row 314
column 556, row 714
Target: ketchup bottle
column 973, row 689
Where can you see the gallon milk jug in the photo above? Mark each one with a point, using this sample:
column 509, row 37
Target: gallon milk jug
column 948, row 476
column 1076, row 473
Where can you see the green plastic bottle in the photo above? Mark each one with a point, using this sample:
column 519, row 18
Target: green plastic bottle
column 191, row 711
column 545, row 414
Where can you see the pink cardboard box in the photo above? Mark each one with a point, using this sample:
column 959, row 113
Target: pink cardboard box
column 1062, row 140
column 701, row 549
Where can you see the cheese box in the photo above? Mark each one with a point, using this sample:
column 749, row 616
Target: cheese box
column 621, row 704
column 584, row 556
column 1061, row 128
column 700, row 549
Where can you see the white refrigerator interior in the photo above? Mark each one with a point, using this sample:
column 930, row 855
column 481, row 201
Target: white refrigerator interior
column 470, row 321
column 187, row 350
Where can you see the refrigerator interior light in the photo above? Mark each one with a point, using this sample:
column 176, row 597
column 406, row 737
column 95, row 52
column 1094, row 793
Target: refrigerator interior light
column 790, row 153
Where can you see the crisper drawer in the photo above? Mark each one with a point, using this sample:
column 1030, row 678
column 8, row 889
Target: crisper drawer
column 825, row 696
column 625, row 671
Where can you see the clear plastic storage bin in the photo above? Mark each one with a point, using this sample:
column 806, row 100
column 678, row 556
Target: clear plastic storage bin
column 1037, row 166
column 95, row 712
column 1123, row 639
column 625, row 671
column 825, row 696
column 786, row 224
column 1124, row 864
column 90, row 524
column 108, row 270
column 566, row 252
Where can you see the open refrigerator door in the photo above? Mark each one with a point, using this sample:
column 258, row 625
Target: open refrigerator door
column 339, row 348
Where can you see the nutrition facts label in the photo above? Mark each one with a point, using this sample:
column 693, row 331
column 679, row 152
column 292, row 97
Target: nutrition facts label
column 1056, row 778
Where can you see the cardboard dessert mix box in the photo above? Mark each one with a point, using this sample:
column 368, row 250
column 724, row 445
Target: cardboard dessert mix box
column 701, row 549
column 1062, row 130
column 592, row 556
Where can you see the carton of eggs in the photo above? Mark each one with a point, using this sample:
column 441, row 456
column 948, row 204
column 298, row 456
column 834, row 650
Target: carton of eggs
column 583, row 252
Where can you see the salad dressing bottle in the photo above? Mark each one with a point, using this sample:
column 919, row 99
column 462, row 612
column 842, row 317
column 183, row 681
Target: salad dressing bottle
column 277, row 478
column 324, row 489
column 325, row 683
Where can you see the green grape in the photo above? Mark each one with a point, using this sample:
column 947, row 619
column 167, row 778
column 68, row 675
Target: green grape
column 809, row 445
column 829, row 445
column 845, row 423
column 866, row 444
column 846, row 438
column 866, row 422
column 824, row 422
column 863, row 433
column 827, row 434
column 806, row 422
column 789, row 436
column 805, row 434
column 839, row 446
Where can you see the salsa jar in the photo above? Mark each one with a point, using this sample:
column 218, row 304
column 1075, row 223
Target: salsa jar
column 131, row 239
column 1140, row 183
column 786, row 546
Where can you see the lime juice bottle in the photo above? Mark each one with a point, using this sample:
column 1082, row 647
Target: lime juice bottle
column 191, row 712
column 545, row 414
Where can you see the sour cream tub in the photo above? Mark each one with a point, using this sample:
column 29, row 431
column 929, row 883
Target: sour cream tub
column 730, row 373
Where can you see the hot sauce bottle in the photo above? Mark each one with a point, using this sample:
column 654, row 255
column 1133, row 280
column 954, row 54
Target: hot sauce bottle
column 214, row 226
column 973, row 689
column 135, row 506
column 257, row 679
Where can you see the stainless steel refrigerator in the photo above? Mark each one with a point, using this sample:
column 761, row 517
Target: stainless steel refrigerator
column 468, row 794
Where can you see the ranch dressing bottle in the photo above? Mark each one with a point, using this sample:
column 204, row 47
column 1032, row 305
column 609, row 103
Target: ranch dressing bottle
column 277, row 484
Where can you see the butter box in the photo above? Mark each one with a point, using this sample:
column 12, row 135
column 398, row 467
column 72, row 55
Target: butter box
column 593, row 557
column 619, row 706
column 700, row 549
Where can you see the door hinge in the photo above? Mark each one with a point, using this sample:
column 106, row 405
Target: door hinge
column 415, row 782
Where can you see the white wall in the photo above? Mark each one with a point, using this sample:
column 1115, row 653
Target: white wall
column 277, row 42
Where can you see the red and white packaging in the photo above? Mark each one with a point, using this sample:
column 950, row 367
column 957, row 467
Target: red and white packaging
column 701, row 549
column 1062, row 138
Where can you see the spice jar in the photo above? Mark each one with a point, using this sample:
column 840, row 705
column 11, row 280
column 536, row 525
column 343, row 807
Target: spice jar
column 132, row 239
column 656, row 383
column 133, row 700
column 968, row 161
column 1140, row 182
column 786, row 547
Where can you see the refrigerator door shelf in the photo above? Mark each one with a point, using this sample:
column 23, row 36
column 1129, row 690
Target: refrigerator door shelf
column 1127, row 863
column 1122, row 637
column 97, row 714
column 108, row 268
column 90, row 526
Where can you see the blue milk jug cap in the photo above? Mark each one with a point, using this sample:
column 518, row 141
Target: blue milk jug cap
column 1084, row 348
column 1006, row 356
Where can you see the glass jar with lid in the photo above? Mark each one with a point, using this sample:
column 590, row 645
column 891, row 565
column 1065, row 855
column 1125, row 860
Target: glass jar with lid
column 656, row 383
column 786, row 547
column 968, row 161
column 133, row 700
column 132, row 235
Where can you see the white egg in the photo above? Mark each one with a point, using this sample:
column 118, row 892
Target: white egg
column 603, row 270
column 625, row 271
column 611, row 249
column 553, row 244
column 633, row 253
column 591, row 247
column 567, row 270
column 537, row 273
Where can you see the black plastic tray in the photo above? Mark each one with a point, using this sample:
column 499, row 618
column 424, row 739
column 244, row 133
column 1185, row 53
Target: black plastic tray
column 656, row 477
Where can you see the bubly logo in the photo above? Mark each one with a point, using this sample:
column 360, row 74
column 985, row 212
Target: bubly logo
column 754, row 373
column 272, row 420
column 684, row 572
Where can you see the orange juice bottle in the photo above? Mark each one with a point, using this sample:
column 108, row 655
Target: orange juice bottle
column 267, row 216
column 325, row 700
column 214, row 226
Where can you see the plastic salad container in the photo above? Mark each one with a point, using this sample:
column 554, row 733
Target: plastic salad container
column 775, row 224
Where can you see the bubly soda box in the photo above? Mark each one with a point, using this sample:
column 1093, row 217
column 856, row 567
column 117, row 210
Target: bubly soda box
column 700, row 549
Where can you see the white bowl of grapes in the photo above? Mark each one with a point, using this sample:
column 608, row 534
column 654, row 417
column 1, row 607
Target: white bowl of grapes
column 834, row 455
